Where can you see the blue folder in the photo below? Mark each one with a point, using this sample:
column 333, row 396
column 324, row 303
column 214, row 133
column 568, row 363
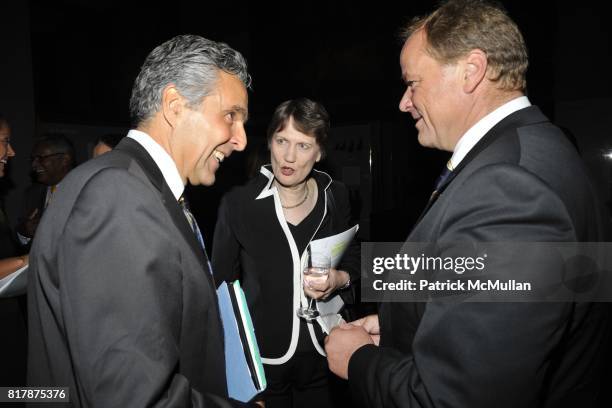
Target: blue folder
column 243, row 367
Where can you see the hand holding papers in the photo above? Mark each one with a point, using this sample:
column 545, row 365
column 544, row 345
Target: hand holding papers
column 335, row 246
column 14, row 284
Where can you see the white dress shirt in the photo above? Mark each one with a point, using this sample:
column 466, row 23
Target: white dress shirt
column 162, row 159
column 476, row 132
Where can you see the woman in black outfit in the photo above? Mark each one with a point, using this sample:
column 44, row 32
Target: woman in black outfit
column 7, row 245
column 261, row 238
column 13, row 341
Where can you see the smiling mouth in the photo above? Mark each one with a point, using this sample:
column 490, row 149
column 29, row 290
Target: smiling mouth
column 219, row 156
column 417, row 120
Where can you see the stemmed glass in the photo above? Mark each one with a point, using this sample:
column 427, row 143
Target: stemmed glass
column 315, row 271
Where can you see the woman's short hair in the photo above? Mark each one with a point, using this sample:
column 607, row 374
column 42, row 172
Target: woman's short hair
column 309, row 117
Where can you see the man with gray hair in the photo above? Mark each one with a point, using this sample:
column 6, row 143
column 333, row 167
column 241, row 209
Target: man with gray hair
column 122, row 306
column 513, row 177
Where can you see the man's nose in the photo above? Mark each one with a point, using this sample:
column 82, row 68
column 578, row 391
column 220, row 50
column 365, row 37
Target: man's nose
column 406, row 102
column 239, row 139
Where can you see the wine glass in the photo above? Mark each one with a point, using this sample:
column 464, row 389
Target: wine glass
column 315, row 271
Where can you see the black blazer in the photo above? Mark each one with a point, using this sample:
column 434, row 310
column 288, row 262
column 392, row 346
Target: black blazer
column 122, row 306
column 252, row 243
column 8, row 246
column 523, row 182
column 13, row 320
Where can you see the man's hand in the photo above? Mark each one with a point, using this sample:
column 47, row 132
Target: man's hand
column 29, row 225
column 370, row 325
column 340, row 345
column 322, row 288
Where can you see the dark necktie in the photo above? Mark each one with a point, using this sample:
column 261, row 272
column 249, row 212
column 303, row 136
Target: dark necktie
column 446, row 173
column 443, row 176
column 192, row 223
column 196, row 230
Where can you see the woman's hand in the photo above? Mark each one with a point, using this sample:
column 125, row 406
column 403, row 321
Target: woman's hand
column 10, row 265
column 318, row 288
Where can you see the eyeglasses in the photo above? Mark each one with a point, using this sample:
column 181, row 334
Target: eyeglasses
column 40, row 157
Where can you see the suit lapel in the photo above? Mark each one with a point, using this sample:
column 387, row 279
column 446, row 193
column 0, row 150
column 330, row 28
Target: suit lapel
column 138, row 153
column 527, row 116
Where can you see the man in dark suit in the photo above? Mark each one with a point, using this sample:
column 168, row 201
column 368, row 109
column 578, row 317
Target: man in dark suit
column 122, row 305
column 513, row 177
column 52, row 158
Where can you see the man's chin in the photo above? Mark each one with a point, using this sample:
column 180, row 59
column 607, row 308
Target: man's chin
column 42, row 180
column 425, row 141
column 208, row 180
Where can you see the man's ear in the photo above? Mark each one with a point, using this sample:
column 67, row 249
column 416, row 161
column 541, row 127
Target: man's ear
column 172, row 104
column 474, row 70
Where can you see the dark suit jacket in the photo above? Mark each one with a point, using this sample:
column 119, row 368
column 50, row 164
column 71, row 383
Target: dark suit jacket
column 34, row 198
column 523, row 182
column 122, row 306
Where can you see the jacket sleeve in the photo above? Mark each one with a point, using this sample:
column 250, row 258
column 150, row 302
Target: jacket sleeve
column 476, row 354
column 226, row 248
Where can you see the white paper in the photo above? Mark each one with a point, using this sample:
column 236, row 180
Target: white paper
column 14, row 284
column 335, row 246
column 329, row 316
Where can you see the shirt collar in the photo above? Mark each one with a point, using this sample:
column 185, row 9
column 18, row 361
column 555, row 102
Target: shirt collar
column 476, row 132
column 162, row 159
column 269, row 189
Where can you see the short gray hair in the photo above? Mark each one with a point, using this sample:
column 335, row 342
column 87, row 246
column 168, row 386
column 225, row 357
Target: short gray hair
column 192, row 64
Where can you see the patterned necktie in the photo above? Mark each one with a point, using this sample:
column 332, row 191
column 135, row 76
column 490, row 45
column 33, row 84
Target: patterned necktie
column 192, row 222
column 196, row 230
column 50, row 195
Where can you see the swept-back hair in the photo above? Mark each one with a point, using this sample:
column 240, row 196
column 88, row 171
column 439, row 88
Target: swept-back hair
column 192, row 64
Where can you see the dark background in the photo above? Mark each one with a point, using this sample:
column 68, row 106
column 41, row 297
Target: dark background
column 69, row 65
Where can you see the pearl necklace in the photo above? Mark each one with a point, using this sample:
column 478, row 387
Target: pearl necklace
column 288, row 207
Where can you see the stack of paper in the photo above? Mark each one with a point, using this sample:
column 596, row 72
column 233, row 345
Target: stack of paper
column 335, row 246
column 243, row 367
